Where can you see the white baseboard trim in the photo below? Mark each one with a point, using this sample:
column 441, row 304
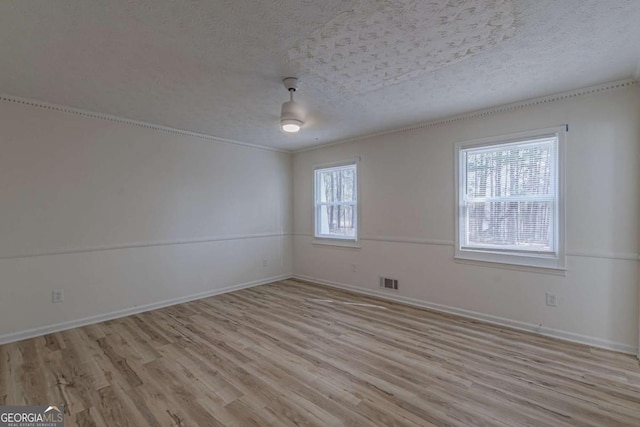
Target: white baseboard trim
column 58, row 327
column 496, row 320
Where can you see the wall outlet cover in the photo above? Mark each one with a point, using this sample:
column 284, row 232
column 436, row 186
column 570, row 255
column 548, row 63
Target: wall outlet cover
column 57, row 296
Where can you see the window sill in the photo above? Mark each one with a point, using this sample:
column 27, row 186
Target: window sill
column 336, row 242
column 556, row 271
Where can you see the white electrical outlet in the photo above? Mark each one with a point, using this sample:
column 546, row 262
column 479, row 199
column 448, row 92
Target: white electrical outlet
column 552, row 301
column 353, row 268
column 57, row 296
column 265, row 263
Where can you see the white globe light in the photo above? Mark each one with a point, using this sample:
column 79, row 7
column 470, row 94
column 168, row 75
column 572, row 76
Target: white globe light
column 291, row 128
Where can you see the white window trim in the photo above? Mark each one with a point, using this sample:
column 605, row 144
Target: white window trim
column 338, row 240
column 557, row 261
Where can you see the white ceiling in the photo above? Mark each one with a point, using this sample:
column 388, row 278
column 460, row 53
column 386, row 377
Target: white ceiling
column 365, row 66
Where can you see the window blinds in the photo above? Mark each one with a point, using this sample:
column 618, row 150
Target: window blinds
column 509, row 196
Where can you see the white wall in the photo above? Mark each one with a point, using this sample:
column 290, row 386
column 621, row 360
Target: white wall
column 120, row 216
column 407, row 227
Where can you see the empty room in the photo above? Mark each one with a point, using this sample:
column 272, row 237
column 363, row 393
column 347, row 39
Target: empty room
column 319, row 213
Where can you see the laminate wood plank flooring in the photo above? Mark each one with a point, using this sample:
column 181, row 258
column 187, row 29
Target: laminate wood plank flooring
column 297, row 354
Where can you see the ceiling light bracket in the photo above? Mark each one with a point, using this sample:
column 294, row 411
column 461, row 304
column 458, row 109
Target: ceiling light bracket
column 291, row 83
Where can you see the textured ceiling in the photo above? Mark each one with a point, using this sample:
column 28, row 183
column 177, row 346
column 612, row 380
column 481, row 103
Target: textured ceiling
column 380, row 43
column 215, row 67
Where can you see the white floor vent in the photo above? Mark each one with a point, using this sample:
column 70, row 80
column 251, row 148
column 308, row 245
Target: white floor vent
column 388, row 283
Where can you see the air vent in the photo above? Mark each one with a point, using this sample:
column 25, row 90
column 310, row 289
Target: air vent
column 388, row 283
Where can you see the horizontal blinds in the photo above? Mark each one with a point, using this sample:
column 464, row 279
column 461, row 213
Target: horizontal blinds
column 509, row 197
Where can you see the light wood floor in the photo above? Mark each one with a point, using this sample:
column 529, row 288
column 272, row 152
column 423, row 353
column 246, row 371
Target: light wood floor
column 296, row 354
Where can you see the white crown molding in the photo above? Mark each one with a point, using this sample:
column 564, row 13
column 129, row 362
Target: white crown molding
column 487, row 318
column 436, row 122
column 100, row 116
column 145, row 245
column 63, row 326
column 605, row 87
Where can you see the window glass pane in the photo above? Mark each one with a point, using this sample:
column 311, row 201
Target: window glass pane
column 337, row 220
column 525, row 226
column 337, row 184
column 336, row 202
column 510, row 170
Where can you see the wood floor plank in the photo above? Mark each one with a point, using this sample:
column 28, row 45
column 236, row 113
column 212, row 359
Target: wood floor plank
column 298, row 354
column 87, row 418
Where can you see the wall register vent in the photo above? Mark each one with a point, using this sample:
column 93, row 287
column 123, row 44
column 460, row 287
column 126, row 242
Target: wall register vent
column 388, row 283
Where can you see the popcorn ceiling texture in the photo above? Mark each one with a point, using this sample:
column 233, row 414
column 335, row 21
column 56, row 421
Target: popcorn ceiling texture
column 216, row 66
column 381, row 43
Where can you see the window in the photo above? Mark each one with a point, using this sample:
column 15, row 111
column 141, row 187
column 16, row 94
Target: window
column 510, row 208
column 336, row 202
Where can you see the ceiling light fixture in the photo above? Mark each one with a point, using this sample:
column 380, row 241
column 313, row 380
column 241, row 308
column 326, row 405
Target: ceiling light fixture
column 292, row 115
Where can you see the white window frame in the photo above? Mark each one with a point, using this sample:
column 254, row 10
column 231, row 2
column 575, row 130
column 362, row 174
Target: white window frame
column 329, row 239
column 556, row 259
